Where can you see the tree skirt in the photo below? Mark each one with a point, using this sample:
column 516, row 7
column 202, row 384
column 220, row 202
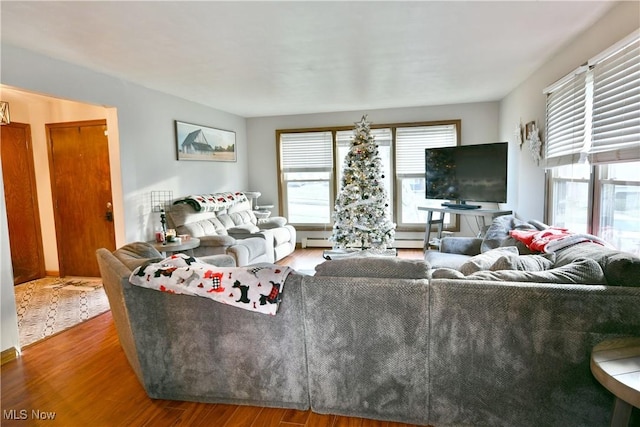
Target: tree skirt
column 51, row 305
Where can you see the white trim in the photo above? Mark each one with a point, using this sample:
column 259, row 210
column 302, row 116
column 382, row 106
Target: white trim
column 566, row 79
column 631, row 38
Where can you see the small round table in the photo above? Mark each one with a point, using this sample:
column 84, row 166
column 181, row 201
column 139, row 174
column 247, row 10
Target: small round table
column 616, row 365
column 172, row 247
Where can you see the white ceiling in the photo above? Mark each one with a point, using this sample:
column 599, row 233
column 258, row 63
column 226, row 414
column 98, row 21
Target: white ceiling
column 276, row 58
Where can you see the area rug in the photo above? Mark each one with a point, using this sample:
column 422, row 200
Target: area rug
column 51, row 305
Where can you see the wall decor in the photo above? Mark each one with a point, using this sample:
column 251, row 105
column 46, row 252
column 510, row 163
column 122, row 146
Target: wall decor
column 5, row 119
column 533, row 138
column 517, row 133
column 196, row 142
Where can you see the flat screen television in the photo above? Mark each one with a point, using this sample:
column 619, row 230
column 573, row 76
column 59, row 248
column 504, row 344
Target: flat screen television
column 463, row 173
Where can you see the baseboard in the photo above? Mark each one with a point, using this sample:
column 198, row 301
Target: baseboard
column 48, row 273
column 9, row 354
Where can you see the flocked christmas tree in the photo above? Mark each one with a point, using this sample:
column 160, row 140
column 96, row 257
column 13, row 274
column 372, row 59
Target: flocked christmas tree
column 361, row 215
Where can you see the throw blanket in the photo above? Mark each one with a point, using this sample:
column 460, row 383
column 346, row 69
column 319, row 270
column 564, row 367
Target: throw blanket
column 213, row 202
column 254, row 288
column 553, row 239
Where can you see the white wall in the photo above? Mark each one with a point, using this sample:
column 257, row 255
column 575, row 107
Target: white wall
column 479, row 125
column 147, row 146
column 146, row 131
column 527, row 102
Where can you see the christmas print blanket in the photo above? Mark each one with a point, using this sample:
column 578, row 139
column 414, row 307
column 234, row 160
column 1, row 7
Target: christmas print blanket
column 255, row 288
column 213, row 202
column 553, row 239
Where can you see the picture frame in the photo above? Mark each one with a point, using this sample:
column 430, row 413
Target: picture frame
column 204, row 143
column 528, row 128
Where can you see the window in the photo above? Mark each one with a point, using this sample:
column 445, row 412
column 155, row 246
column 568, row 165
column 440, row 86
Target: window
column 306, row 171
column 618, row 186
column 310, row 174
column 593, row 147
column 410, row 168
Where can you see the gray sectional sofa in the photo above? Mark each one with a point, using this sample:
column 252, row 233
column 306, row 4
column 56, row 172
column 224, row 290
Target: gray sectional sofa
column 378, row 338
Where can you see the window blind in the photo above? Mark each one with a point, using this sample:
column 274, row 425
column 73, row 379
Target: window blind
column 616, row 107
column 306, row 152
column 565, row 121
column 412, row 141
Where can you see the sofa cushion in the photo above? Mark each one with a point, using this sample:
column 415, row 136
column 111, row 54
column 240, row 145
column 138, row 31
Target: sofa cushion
column 137, row 253
column 585, row 271
column 447, row 273
column 439, row 259
column 485, row 260
column 524, row 262
column 205, row 227
column 497, row 234
column 620, row 268
column 226, row 220
column 273, row 222
column 280, row 235
column 381, row 267
column 243, row 229
column 243, row 217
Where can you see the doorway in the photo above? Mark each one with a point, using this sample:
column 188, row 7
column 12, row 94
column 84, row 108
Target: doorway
column 82, row 196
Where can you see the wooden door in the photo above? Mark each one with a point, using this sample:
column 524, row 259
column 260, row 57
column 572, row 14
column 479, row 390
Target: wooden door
column 23, row 218
column 81, row 187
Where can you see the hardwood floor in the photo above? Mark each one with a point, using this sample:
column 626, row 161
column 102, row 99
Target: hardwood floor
column 81, row 377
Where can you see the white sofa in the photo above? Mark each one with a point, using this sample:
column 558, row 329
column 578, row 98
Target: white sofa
column 231, row 227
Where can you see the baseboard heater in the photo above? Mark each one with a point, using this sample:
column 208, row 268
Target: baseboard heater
column 320, row 242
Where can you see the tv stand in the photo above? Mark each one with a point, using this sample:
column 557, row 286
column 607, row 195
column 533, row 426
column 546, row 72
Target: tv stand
column 460, row 206
column 455, row 210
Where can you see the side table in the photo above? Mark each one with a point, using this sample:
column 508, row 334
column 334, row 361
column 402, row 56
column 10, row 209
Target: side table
column 616, row 365
column 186, row 246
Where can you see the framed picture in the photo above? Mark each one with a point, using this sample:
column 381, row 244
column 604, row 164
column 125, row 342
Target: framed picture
column 196, row 142
column 528, row 128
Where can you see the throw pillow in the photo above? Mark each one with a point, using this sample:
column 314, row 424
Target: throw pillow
column 584, row 271
column 524, row 262
column 381, row 267
column 485, row 260
column 497, row 234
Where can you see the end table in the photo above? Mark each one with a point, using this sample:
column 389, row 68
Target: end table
column 186, row 246
column 616, row 365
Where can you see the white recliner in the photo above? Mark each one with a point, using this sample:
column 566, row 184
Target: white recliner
column 232, row 228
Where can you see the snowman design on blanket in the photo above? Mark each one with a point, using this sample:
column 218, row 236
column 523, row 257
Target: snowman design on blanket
column 254, row 288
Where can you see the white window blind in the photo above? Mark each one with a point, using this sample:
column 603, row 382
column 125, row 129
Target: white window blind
column 565, row 130
column 616, row 107
column 594, row 113
column 412, row 141
column 306, row 152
